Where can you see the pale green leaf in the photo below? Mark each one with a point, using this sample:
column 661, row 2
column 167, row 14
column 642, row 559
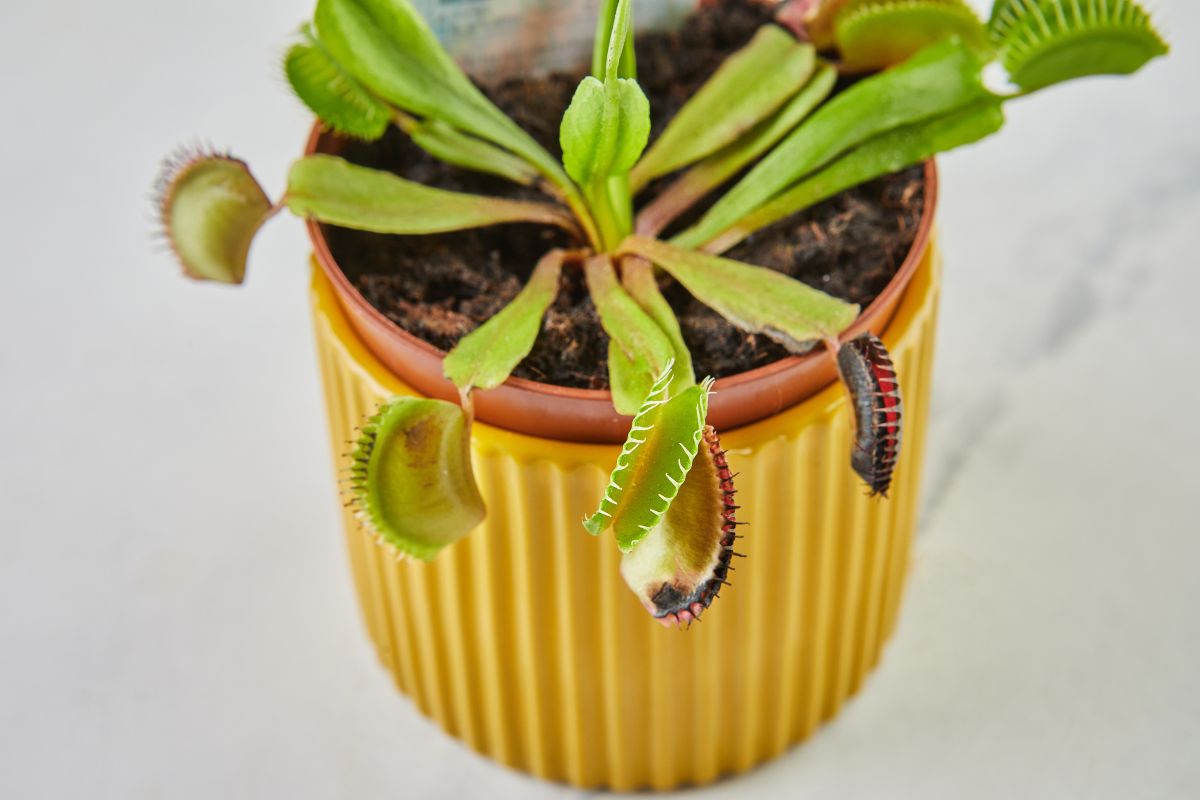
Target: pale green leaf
column 637, row 276
column 885, row 154
column 332, row 190
column 704, row 177
column 654, row 462
column 463, row 150
column 633, row 127
column 747, row 88
column 334, row 96
column 486, row 356
column 638, row 350
column 937, row 80
column 411, row 480
column 753, row 298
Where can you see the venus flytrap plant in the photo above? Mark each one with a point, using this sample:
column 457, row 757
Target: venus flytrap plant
column 363, row 66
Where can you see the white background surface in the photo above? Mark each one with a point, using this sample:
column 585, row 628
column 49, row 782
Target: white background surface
column 176, row 617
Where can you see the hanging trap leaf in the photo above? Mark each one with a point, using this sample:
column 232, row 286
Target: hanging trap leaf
column 411, row 481
column 866, row 370
column 679, row 567
column 874, row 34
column 210, row 207
column 1043, row 42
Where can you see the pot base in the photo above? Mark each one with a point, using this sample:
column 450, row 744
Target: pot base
column 523, row 641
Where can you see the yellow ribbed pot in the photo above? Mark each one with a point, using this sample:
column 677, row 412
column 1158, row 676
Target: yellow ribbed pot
column 523, row 641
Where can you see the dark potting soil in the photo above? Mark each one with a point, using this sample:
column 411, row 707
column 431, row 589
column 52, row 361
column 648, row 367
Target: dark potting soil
column 442, row 287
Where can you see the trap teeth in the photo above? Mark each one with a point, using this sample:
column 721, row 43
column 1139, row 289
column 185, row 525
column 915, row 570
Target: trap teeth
column 678, row 569
column 867, row 371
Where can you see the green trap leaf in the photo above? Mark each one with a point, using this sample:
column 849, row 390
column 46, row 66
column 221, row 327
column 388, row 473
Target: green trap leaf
column 1044, row 42
column 873, row 34
column 211, row 207
column 411, row 480
column 654, row 462
column 331, row 93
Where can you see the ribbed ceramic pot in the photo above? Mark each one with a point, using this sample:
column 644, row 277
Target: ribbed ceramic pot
column 523, row 641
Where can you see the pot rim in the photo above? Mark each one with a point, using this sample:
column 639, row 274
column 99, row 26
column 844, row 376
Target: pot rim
column 898, row 283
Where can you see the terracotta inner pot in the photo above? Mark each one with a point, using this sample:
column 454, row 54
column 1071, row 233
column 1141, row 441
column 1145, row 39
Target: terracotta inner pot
column 587, row 415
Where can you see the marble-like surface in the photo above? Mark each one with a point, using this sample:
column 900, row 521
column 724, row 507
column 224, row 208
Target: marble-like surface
column 175, row 614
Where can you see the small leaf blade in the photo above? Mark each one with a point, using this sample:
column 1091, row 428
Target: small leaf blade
column 463, row 150
column 745, row 89
column 638, row 350
column 485, row 357
column 334, row 191
column 411, row 478
column 580, row 131
column 638, row 279
column 753, row 298
column 633, row 126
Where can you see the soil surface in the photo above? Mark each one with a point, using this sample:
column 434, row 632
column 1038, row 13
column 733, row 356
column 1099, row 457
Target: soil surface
column 442, row 287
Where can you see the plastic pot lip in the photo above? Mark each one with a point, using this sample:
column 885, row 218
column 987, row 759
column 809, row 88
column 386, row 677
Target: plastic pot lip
column 738, row 399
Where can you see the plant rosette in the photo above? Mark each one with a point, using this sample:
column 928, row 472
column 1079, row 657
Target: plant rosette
column 483, row 596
